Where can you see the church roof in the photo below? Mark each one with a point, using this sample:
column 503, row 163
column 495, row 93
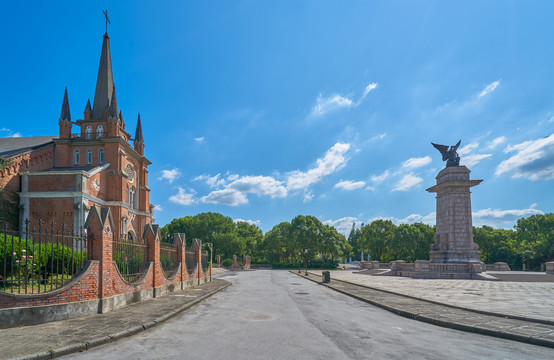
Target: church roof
column 104, row 82
column 14, row 145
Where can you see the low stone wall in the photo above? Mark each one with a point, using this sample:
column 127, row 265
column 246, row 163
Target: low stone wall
column 99, row 287
column 424, row 269
column 549, row 267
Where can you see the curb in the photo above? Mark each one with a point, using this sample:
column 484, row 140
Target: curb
column 89, row 344
column 447, row 324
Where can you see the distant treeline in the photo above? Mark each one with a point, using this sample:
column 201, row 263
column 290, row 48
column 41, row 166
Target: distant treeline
column 531, row 242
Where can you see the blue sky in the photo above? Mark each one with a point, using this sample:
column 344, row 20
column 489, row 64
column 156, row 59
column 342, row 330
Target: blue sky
column 263, row 110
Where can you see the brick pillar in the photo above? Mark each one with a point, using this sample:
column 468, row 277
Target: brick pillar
column 180, row 243
column 152, row 237
column 197, row 247
column 99, row 225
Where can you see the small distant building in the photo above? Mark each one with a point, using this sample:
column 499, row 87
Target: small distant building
column 58, row 178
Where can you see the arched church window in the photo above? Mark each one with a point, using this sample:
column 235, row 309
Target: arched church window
column 132, row 197
column 99, row 131
column 101, row 156
column 88, row 132
column 89, row 156
column 76, row 157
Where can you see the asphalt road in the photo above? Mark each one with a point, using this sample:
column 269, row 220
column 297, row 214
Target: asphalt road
column 277, row 315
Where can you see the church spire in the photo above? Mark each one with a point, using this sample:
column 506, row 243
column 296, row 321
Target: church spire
column 65, row 115
column 104, row 93
column 113, row 105
column 139, row 139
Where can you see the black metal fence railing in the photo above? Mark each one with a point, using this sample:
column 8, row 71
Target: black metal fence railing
column 130, row 256
column 190, row 259
column 169, row 258
column 205, row 261
column 40, row 258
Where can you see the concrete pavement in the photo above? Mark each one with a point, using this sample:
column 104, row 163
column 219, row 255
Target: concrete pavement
column 518, row 328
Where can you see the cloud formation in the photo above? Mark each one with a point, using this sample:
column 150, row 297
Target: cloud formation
column 533, row 160
column 493, row 144
column 183, row 198
column 407, row 182
column 489, row 88
column 343, row 225
column 199, row 140
column 333, row 160
column 170, row 175
column 229, row 197
column 350, row 185
column 334, row 102
column 414, row 163
column 251, row 222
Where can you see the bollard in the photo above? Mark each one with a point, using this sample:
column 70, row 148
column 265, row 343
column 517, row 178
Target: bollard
column 326, row 275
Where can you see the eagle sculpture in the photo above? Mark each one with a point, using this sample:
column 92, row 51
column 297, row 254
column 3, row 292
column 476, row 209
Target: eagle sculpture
column 449, row 155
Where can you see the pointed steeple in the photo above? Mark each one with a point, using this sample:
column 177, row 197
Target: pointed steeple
column 88, row 110
column 139, row 139
column 65, row 115
column 121, row 119
column 104, row 82
column 138, row 132
column 113, row 105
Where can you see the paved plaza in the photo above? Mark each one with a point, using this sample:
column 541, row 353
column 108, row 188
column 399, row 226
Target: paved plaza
column 525, row 299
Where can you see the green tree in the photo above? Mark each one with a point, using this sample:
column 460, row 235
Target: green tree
column 375, row 238
column 534, row 240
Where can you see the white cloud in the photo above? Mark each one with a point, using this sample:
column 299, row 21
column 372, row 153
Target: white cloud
column 183, row 198
column 259, row 185
column 333, row 160
column 170, row 175
column 229, row 197
column 212, row 181
column 343, row 225
column 533, row 160
column 251, row 222
column 350, row 185
column 380, row 178
column 158, row 207
column 407, row 182
column 308, row 197
column 489, row 88
column 16, row 135
column 495, row 142
column 199, row 140
column 369, row 88
column 468, row 148
column 324, row 105
column 473, row 159
column 10, row 132
column 414, row 163
column 428, row 219
column 336, row 101
column 503, row 218
column 377, row 137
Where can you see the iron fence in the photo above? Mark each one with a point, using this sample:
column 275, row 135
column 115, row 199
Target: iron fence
column 190, row 259
column 40, row 258
column 130, row 256
column 169, row 258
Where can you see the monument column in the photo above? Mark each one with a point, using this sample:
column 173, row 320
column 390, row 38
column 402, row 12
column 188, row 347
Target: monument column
column 454, row 231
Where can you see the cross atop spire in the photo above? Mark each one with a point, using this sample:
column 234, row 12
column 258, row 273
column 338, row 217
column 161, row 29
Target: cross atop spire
column 107, row 19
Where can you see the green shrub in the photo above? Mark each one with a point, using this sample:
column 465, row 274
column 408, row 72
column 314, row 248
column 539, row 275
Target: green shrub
column 227, row 262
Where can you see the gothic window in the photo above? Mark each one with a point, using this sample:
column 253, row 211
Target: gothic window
column 89, row 156
column 132, row 197
column 101, row 156
column 88, row 132
column 99, row 131
column 76, row 157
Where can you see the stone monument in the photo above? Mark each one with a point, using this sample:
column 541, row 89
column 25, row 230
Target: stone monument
column 454, row 231
column 454, row 255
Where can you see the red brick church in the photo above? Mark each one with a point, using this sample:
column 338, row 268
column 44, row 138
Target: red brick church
column 58, row 178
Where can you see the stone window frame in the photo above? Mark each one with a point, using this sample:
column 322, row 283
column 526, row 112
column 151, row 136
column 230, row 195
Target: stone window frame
column 88, row 132
column 76, row 157
column 89, row 156
column 101, row 159
column 99, row 131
